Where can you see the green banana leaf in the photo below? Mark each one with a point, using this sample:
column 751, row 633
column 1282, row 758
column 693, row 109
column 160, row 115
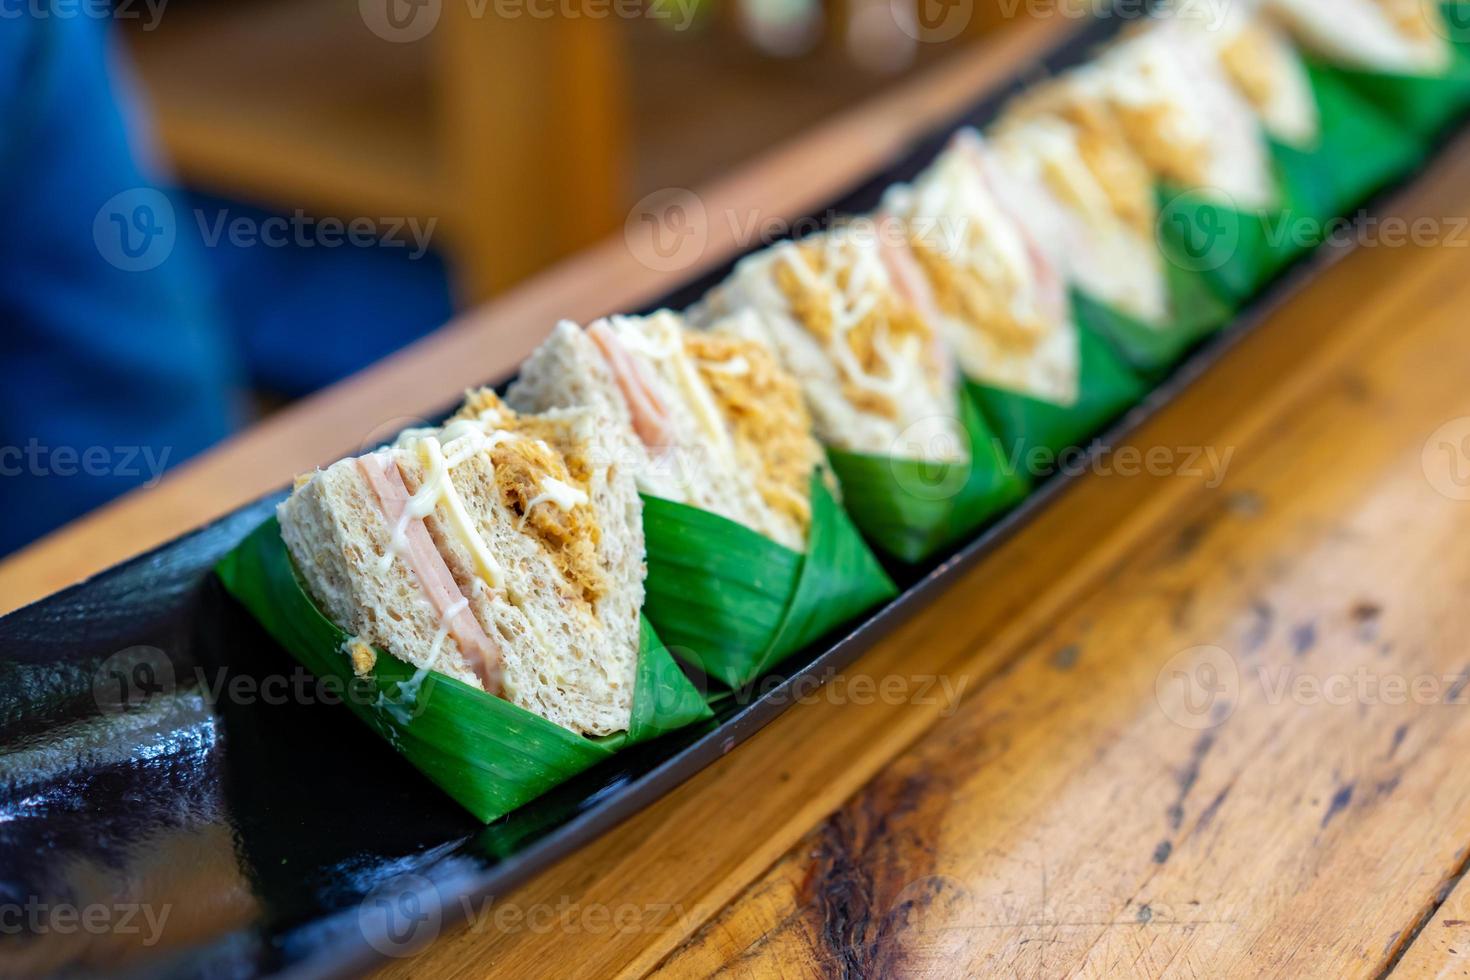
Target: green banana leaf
column 1195, row 311
column 1358, row 151
column 1236, row 251
column 1217, row 258
column 486, row 753
column 734, row 603
column 1422, row 105
column 1029, row 426
column 911, row 509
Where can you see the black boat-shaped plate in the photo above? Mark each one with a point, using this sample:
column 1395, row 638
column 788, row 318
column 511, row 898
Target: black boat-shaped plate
column 230, row 823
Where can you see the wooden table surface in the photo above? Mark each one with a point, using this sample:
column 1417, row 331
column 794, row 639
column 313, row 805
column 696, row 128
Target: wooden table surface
column 1205, row 720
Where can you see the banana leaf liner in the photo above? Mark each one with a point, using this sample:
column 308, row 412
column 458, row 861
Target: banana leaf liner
column 1217, row 258
column 911, row 509
column 1195, row 311
column 1359, row 150
column 1030, row 426
column 734, row 603
column 1422, row 105
column 489, row 755
column 1235, row 251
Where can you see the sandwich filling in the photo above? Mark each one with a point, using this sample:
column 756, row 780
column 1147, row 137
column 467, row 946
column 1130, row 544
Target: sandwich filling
column 1263, row 66
column 844, row 296
column 1182, row 116
column 542, row 478
column 1001, row 300
column 1084, row 196
column 649, row 414
column 849, row 314
column 771, row 427
column 724, row 426
column 1083, row 155
column 412, row 543
column 543, row 486
column 502, row 550
column 1398, row 36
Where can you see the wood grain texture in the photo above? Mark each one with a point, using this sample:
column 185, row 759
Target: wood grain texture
column 1079, row 817
column 529, row 191
column 1038, row 797
column 1063, row 772
column 1442, row 948
column 489, row 342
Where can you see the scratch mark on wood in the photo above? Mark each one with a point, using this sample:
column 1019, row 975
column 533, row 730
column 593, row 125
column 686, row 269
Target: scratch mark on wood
column 1398, row 739
column 1447, row 885
column 1188, row 776
column 1263, row 617
column 1453, row 694
column 1356, row 388
column 1245, row 503
column 1303, row 638
column 1365, row 617
column 843, row 891
column 1339, row 802
column 1452, row 923
column 1207, row 815
column 1181, row 607
column 870, row 874
column 1066, row 657
column 1189, row 538
column 1387, row 786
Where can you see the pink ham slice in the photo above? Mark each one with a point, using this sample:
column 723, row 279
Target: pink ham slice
column 903, row 269
column 910, row 282
column 1051, row 288
column 437, row 582
column 650, row 416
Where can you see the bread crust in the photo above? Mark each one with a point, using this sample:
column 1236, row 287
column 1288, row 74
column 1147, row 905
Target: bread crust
column 569, row 369
column 920, row 422
column 568, row 655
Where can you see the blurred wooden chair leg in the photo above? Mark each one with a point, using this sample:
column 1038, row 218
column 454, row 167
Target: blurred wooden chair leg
column 533, row 137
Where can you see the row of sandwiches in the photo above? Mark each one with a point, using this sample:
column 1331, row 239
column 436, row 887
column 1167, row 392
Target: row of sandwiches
column 505, row 548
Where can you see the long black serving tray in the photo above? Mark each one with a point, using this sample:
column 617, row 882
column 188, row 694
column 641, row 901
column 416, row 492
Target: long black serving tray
column 260, row 831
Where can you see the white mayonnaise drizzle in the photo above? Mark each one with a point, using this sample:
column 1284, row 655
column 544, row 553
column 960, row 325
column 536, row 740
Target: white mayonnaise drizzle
column 564, row 496
column 465, row 439
column 987, row 241
column 737, row 366
column 850, row 306
column 660, row 338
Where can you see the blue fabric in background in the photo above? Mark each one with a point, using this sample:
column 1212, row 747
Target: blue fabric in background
column 127, row 342
column 304, row 317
